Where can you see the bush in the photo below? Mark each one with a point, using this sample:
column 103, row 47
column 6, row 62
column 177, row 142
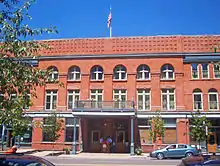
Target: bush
column 138, row 151
column 67, row 150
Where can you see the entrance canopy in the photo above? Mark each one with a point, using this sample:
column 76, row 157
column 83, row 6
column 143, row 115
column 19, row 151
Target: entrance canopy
column 103, row 108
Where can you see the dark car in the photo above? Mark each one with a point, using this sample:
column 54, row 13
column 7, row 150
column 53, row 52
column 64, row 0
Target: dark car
column 20, row 159
column 174, row 150
column 200, row 160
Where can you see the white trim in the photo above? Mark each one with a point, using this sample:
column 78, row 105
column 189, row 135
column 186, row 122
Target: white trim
column 105, row 113
column 214, row 72
column 74, row 73
column 96, row 72
column 119, row 72
column 144, row 94
column 168, row 93
column 207, row 71
column 167, row 71
column 74, row 94
column 198, row 93
column 179, row 116
column 142, row 71
column 213, row 93
column 51, row 94
column 197, row 71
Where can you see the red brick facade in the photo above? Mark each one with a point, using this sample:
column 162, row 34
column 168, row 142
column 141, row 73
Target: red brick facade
column 154, row 51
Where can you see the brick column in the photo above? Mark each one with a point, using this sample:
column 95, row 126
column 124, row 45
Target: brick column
column 62, row 93
column 155, row 92
column 131, row 87
column 179, row 92
column 84, row 86
column 37, row 133
column 62, row 132
column 108, row 87
column 182, row 128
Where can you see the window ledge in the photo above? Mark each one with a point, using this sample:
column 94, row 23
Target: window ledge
column 167, row 80
column 70, row 143
column 74, row 81
column 97, row 80
column 115, row 80
column 140, row 80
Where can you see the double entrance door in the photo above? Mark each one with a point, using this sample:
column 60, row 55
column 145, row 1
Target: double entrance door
column 110, row 134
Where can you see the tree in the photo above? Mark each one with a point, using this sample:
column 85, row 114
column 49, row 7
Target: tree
column 157, row 127
column 198, row 126
column 18, row 77
column 52, row 127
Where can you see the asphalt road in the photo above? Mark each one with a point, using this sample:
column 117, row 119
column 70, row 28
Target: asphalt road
column 64, row 161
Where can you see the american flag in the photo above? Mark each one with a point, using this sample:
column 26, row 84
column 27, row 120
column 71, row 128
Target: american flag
column 109, row 19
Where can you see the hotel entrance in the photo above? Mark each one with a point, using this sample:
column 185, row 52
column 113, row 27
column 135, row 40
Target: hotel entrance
column 108, row 135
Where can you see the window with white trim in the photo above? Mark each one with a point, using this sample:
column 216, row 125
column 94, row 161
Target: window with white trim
column 197, row 99
column 51, row 99
column 96, row 97
column 205, row 70
column 95, row 136
column 168, row 99
column 72, row 97
column 96, row 73
column 27, row 100
column 69, row 129
column 74, row 73
column 54, row 73
column 143, row 72
column 143, row 99
column 120, row 73
column 213, row 99
column 167, row 72
column 119, row 96
column 216, row 71
column 195, row 70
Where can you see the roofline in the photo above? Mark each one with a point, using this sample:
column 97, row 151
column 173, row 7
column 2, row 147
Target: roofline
column 117, row 37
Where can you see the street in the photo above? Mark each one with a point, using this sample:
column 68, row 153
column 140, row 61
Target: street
column 71, row 161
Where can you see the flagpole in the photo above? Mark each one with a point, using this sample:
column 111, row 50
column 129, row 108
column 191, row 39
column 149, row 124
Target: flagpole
column 110, row 31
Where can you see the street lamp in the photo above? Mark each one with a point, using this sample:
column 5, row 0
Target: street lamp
column 206, row 134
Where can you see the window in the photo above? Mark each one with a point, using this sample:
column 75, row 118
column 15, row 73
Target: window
column 27, row 100
column 95, row 136
column 216, row 71
column 96, row 73
column 197, row 99
column 169, row 136
column 54, row 73
column 120, row 73
column 119, row 98
column 167, row 72
column 205, row 70
column 120, row 137
column 143, row 72
column 168, row 99
column 72, row 97
column 74, row 73
column 96, row 97
column 70, row 129
column 195, row 71
column 51, row 99
column 143, row 96
column 213, row 99
column 45, row 135
column 182, row 146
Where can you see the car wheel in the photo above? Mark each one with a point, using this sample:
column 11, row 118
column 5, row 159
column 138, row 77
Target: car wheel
column 189, row 154
column 160, row 156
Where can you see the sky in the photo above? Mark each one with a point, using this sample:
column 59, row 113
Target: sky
column 88, row 18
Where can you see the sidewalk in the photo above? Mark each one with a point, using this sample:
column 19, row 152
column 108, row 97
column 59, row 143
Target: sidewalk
column 104, row 156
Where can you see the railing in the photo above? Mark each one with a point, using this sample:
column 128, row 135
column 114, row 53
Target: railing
column 198, row 105
column 143, row 105
column 170, row 106
column 103, row 105
column 213, row 105
column 217, row 74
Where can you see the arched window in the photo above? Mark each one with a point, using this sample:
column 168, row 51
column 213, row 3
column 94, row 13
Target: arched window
column 167, row 72
column 213, row 99
column 143, row 72
column 197, row 99
column 74, row 73
column 120, row 72
column 96, row 73
column 54, row 73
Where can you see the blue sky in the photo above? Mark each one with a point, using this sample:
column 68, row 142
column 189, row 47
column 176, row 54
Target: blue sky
column 88, row 18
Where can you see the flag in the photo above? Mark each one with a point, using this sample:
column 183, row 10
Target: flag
column 109, row 19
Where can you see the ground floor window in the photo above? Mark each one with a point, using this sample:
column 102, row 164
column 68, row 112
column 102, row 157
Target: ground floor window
column 95, row 136
column 69, row 129
column 145, row 136
column 169, row 136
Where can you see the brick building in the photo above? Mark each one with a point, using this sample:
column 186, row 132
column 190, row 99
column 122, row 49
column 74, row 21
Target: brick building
column 114, row 85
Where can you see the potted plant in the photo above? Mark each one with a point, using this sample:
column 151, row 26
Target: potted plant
column 67, row 150
column 138, row 151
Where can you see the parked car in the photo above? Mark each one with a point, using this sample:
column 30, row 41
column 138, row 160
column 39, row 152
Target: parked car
column 175, row 150
column 19, row 159
column 201, row 160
